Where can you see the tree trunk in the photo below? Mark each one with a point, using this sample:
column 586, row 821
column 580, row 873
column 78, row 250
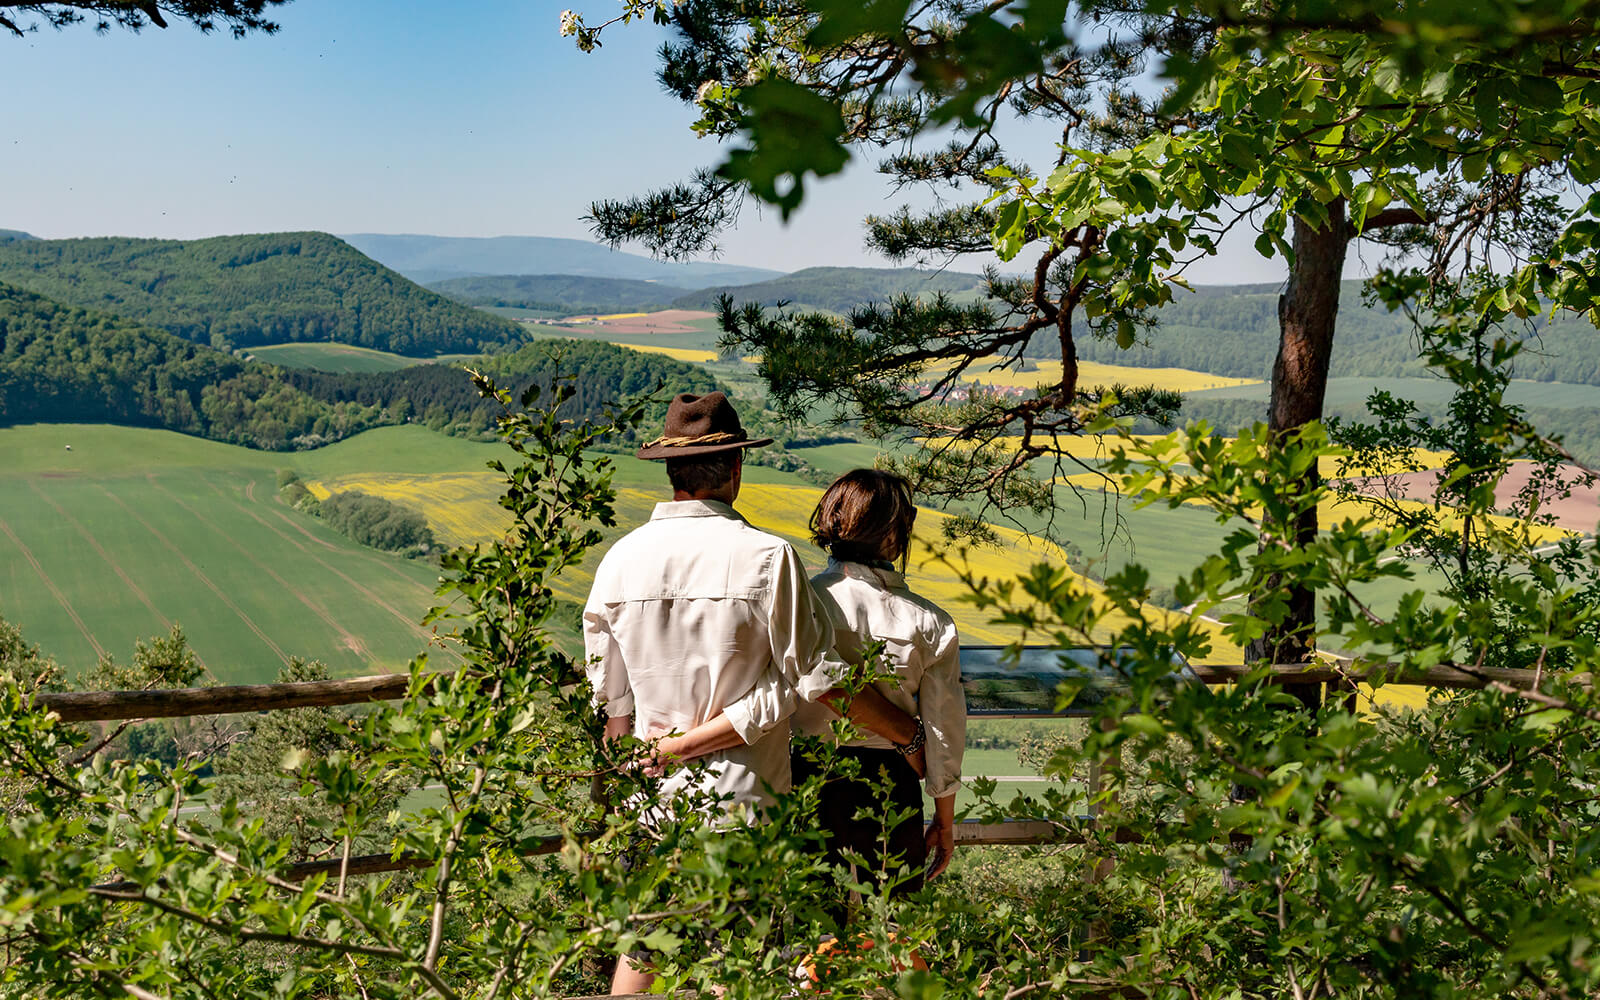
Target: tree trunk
column 1307, row 311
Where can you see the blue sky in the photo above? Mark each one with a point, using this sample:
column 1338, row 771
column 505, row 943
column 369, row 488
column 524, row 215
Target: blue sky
column 393, row 116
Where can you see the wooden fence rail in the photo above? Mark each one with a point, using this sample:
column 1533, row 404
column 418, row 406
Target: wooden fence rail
column 108, row 706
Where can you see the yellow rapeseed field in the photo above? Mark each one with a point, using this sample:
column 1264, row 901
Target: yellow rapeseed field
column 691, row 354
column 1091, row 373
column 1336, row 510
column 463, row 508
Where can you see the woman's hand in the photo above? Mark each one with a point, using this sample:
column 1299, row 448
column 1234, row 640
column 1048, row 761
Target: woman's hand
column 918, row 759
column 941, row 836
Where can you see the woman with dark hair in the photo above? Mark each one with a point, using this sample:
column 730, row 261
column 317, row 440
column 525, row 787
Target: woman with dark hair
column 864, row 522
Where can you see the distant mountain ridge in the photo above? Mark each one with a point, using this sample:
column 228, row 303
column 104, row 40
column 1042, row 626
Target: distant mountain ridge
column 837, row 289
column 568, row 293
column 1233, row 330
column 7, row 235
column 242, row 291
column 425, row 258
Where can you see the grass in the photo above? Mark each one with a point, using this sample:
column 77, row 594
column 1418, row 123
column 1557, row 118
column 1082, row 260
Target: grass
column 134, row 530
column 341, row 358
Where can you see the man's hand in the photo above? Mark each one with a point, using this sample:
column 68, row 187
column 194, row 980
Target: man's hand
column 668, row 752
column 672, row 749
column 941, row 836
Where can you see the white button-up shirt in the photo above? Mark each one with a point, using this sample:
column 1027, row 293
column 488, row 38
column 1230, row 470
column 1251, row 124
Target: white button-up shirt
column 697, row 613
column 920, row 641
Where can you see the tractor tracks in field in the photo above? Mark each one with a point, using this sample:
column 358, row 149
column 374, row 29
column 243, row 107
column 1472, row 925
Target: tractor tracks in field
column 116, row 567
column 50, row 585
column 354, row 585
column 347, row 638
column 198, row 574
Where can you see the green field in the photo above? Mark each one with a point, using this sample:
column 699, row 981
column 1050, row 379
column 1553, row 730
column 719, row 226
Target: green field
column 340, row 358
column 1354, row 392
column 134, row 529
column 704, row 337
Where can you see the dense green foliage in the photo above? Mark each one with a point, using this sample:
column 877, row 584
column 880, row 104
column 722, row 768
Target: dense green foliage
column 1378, row 853
column 375, row 521
column 239, row 291
column 837, row 289
column 563, row 293
column 441, row 397
column 60, row 364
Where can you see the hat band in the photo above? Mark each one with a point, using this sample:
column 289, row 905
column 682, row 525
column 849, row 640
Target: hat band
column 719, row 437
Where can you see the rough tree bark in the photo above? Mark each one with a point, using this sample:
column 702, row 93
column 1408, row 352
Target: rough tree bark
column 1307, row 312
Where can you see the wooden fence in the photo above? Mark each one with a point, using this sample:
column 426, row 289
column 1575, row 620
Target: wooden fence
column 110, row 706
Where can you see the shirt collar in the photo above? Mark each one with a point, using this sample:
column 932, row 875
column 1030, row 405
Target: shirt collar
column 694, row 508
column 889, row 579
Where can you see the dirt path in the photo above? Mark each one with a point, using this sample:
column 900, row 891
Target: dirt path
column 199, row 575
column 354, row 585
column 347, row 638
column 116, row 567
column 50, row 585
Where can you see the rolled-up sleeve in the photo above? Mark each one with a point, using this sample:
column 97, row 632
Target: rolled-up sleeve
column 942, row 703
column 763, row 708
column 801, row 634
column 607, row 672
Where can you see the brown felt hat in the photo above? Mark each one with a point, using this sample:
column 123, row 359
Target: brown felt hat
column 699, row 425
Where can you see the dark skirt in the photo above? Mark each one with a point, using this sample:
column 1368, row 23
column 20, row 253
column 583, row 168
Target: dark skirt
column 851, row 813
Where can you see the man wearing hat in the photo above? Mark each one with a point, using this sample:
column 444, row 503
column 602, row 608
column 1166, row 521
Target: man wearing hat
column 701, row 626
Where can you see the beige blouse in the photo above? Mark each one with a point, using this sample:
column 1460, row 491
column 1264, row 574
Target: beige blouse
column 920, row 640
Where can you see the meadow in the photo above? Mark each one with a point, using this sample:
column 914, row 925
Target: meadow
column 341, row 358
column 134, row 530
column 463, row 508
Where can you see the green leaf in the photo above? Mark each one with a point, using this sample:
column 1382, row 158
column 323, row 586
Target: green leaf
column 1547, row 719
column 1281, row 795
column 839, row 21
column 792, row 133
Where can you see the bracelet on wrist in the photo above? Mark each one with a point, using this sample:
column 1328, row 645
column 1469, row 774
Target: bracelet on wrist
column 918, row 738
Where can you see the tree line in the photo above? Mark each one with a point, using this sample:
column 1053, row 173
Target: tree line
column 60, row 363
column 244, row 291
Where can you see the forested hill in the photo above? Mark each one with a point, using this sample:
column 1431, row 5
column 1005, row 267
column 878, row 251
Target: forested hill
column 442, row 397
column 241, row 291
column 1233, row 330
column 7, row 235
column 63, row 364
column 564, row 293
column 838, row 289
